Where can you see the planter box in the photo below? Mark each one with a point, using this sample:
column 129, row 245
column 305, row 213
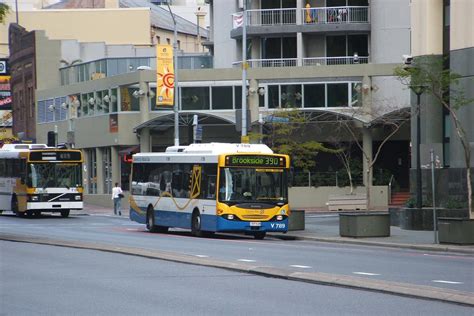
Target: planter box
column 367, row 224
column 456, row 231
column 296, row 220
column 422, row 219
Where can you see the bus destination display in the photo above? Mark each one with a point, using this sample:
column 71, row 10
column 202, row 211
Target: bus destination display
column 55, row 156
column 254, row 161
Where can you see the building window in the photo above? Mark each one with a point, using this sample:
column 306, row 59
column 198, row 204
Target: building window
column 127, row 101
column 195, row 98
column 337, row 94
column 314, row 95
column 290, row 96
column 168, row 41
column 222, row 98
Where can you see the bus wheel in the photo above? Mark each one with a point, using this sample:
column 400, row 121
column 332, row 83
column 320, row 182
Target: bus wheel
column 65, row 213
column 259, row 235
column 196, row 224
column 150, row 220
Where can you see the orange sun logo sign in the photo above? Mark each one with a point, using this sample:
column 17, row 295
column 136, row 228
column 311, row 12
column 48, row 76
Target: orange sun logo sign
column 165, row 75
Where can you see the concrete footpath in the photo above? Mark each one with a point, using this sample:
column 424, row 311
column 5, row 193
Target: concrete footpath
column 320, row 227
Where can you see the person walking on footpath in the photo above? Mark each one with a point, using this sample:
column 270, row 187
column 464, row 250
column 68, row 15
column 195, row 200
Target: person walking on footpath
column 117, row 195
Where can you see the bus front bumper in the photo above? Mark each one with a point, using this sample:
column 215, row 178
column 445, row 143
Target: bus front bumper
column 55, row 206
column 244, row 226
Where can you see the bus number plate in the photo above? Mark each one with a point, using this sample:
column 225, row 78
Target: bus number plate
column 255, row 224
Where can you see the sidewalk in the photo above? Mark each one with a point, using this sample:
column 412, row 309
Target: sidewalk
column 321, row 225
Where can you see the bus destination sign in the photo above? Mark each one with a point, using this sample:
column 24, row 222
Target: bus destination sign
column 55, row 156
column 254, row 161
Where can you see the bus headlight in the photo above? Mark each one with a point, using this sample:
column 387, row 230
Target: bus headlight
column 34, row 198
column 77, row 197
column 279, row 217
column 230, row 216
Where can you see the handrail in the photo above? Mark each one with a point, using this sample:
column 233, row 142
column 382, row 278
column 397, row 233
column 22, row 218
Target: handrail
column 390, row 190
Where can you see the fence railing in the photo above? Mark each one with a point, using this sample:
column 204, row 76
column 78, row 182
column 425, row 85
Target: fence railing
column 342, row 60
column 310, row 61
column 336, row 15
column 316, row 15
column 336, row 178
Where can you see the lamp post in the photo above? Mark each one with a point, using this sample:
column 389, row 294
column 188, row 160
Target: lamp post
column 176, row 88
column 418, row 90
column 244, row 138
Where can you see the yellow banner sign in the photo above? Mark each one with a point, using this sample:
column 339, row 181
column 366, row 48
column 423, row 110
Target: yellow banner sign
column 164, row 75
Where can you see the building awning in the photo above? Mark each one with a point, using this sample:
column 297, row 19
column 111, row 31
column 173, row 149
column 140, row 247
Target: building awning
column 166, row 122
column 127, row 150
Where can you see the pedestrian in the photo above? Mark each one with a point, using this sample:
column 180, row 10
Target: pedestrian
column 117, row 195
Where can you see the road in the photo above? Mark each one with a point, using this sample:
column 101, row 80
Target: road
column 445, row 270
column 47, row 280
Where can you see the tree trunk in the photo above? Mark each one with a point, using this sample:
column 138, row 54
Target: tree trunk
column 469, row 192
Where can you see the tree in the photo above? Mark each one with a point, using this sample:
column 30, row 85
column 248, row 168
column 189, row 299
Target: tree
column 287, row 135
column 390, row 121
column 4, row 10
column 443, row 85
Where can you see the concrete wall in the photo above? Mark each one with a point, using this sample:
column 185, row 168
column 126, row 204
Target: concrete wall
column 390, row 30
column 225, row 48
column 308, row 197
column 461, row 24
column 427, row 27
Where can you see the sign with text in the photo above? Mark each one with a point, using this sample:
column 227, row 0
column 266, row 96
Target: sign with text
column 164, row 75
column 254, row 161
column 5, row 92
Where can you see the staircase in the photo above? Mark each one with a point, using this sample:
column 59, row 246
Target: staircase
column 400, row 198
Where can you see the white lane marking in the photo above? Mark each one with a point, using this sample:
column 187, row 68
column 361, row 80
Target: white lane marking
column 365, row 273
column 298, row 266
column 202, row 256
column 447, row 282
column 246, row 260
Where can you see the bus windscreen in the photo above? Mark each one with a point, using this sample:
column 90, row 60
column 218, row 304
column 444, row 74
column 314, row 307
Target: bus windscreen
column 54, row 175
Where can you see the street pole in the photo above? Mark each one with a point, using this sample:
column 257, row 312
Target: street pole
column 176, row 87
column 418, row 159
column 244, row 74
column 435, row 228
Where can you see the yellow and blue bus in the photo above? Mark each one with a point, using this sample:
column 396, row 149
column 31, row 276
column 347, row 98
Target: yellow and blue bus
column 35, row 178
column 215, row 187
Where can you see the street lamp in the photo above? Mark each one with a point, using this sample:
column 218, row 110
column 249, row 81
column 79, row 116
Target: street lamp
column 418, row 90
column 176, row 88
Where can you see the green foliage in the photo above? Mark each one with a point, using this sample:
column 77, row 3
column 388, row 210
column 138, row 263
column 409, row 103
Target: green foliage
column 4, row 10
column 288, row 137
column 411, row 202
column 453, row 203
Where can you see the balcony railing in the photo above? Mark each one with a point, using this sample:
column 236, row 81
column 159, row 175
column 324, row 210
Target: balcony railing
column 336, row 15
column 311, row 61
column 343, row 60
column 316, row 15
column 271, row 17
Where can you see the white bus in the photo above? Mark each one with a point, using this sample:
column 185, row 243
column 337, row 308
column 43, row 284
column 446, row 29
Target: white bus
column 215, row 187
column 35, row 178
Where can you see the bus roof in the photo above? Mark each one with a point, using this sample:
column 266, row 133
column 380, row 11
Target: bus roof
column 220, row 148
column 207, row 151
column 22, row 147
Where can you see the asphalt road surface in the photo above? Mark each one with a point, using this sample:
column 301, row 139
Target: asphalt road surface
column 48, row 280
column 442, row 270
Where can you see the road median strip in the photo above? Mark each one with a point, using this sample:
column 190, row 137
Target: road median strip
column 389, row 287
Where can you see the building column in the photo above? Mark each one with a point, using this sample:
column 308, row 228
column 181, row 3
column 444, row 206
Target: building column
column 100, row 170
column 116, row 173
column 145, row 140
column 367, row 147
column 299, row 35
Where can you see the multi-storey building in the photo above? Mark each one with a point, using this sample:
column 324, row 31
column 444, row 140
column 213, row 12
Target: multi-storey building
column 442, row 34
column 328, row 59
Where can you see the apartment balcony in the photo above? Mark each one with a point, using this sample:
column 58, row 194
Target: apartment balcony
column 309, row 61
column 306, row 20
